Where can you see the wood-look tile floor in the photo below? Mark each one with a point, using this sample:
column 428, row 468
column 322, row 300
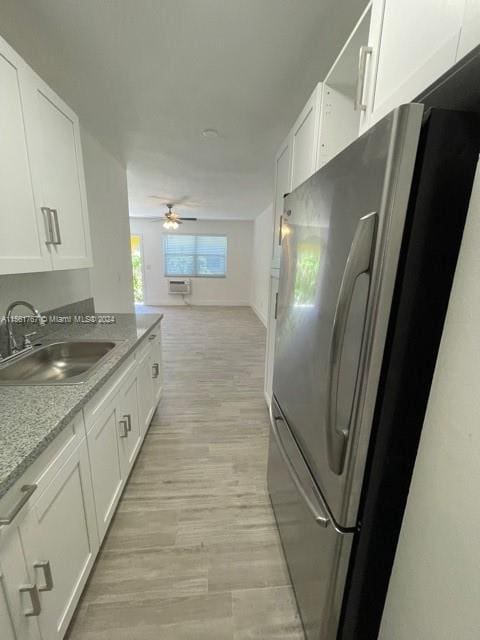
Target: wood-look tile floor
column 193, row 552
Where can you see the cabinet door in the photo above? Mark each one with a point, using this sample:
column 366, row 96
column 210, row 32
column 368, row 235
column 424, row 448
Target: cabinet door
column 130, row 433
column 58, row 161
column 305, row 139
column 145, row 390
column 283, row 185
column 270, row 339
column 157, row 371
column 61, row 542
column 105, row 465
column 413, row 42
column 470, row 35
column 18, row 591
column 22, row 229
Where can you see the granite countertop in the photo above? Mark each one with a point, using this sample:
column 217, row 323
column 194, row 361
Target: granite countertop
column 32, row 416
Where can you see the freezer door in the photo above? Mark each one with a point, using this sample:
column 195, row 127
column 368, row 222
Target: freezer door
column 316, row 553
column 342, row 233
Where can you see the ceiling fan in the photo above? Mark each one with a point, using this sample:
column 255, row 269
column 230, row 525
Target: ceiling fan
column 172, row 219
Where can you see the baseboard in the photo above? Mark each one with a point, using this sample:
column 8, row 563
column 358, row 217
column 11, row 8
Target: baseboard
column 172, row 302
column 268, row 399
column 261, row 316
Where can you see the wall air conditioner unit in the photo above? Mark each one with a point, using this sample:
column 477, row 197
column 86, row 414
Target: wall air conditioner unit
column 180, row 287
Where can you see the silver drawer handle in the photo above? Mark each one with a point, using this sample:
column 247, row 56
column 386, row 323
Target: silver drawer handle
column 47, row 574
column 32, row 591
column 124, row 428
column 58, row 239
column 49, row 223
column 152, row 336
column 128, row 418
column 27, row 491
column 155, row 370
column 359, row 105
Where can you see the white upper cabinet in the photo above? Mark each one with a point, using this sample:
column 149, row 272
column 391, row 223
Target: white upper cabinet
column 412, row 43
column 43, row 217
column 57, row 157
column 22, row 231
column 305, row 139
column 470, row 35
column 343, row 94
column 283, row 185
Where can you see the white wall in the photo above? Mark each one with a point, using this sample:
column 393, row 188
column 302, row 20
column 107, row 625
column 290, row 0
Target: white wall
column 232, row 290
column 261, row 262
column 45, row 290
column 434, row 591
column 111, row 276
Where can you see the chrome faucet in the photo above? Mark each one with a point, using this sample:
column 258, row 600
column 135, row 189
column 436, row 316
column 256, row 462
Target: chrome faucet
column 12, row 346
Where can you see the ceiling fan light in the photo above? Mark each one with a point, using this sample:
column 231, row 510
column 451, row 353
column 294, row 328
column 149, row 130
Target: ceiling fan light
column 174, row 224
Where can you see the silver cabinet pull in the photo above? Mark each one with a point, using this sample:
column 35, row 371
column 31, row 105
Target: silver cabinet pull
column 47, row 574
column 49, row 224
column 32, row 591
column 359, row 261
column 58, row 239
column 364, row 52
column 27, row 491
column 123, row 428
column 128, row 418
column 155, row 370
column 152, row 336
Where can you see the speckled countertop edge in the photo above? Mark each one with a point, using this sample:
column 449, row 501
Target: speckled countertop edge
column 31, row 416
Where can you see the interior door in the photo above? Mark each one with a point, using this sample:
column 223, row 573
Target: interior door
column 58, row 161
column 328, row 279
column 22, row 230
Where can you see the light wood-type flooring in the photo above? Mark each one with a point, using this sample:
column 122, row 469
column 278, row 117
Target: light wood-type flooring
column 193, row 552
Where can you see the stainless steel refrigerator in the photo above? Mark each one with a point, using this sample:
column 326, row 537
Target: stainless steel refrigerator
column 359, row 280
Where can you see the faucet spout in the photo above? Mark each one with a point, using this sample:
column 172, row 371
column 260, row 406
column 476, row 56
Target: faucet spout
column 12, row 346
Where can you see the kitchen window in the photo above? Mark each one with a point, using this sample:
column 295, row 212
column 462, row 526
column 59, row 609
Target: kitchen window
column 198, row 256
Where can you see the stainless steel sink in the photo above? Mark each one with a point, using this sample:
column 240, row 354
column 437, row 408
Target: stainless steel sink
column 68, row 362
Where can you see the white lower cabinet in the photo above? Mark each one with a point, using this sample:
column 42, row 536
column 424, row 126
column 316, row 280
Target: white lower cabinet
column 157, row 370
column 60, row 543
column 270, row 350
column 19, row 596
column 48, row 548
column 106, row 465
column 130, row 433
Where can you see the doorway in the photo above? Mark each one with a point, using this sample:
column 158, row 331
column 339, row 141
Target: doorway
column 137, row 268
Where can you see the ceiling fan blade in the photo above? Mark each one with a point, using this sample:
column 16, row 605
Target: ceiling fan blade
column 183, row 218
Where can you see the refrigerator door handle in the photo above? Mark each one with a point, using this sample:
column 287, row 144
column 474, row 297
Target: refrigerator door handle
column 359, row 261
column 318, row 513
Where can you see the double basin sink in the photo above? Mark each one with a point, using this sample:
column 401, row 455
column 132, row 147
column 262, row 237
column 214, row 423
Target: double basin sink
column 68, row 362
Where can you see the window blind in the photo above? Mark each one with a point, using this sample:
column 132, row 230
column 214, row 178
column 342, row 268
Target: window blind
column 195, row 256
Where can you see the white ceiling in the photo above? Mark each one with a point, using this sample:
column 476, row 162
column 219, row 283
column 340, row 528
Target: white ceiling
column 147, row 76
